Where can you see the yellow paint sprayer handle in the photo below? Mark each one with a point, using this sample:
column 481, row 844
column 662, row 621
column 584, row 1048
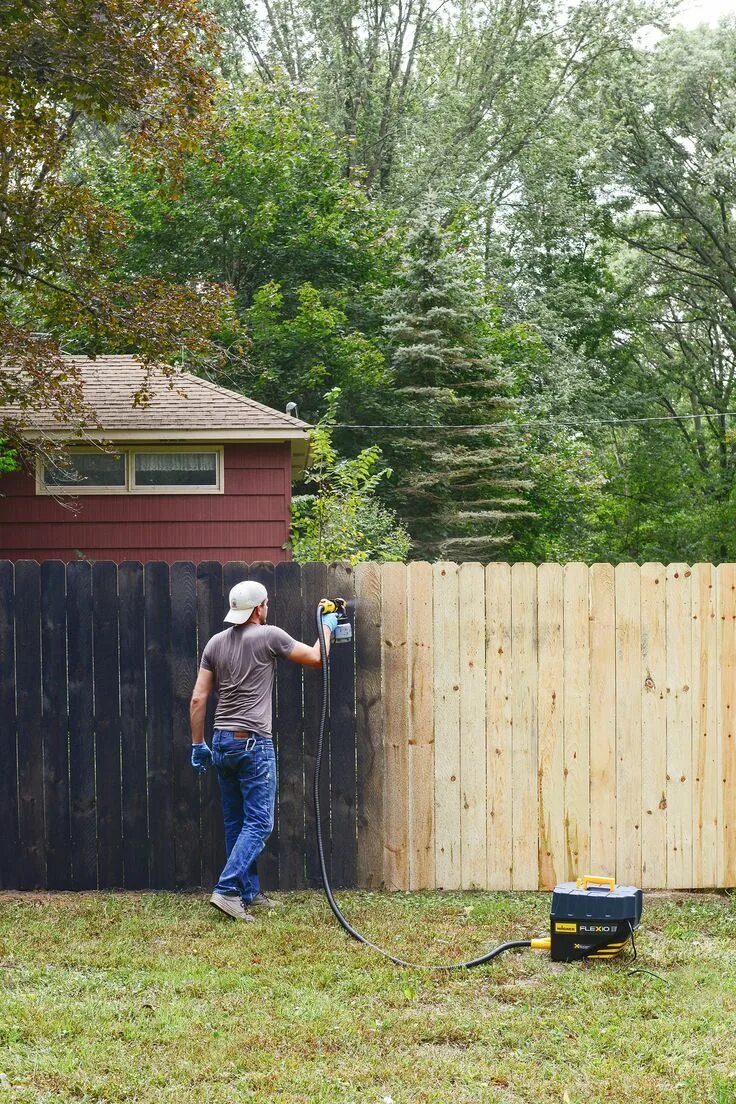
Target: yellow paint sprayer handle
column 596, row 880
column 332, row 605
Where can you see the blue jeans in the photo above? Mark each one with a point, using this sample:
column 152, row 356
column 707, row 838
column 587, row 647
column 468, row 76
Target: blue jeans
column 247, row 773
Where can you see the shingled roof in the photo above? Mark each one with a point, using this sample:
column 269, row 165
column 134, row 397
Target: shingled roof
column 179, row 405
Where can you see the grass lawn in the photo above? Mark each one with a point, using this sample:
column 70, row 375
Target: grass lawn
column 156, row 998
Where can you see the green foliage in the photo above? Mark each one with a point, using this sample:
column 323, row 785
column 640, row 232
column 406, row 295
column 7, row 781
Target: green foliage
column 617, row 248
column 261, row 198
column 431, row 97
column 263, row 206
column 310, row 350
column 573, row 518
column 460, row 488
column 343, row 519
column 8, row 458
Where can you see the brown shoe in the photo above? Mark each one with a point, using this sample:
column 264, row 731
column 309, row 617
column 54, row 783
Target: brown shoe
column 262, row 901
column 232, row 906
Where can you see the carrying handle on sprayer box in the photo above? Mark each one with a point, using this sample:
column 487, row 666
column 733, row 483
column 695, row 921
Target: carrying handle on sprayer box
column 595, row 880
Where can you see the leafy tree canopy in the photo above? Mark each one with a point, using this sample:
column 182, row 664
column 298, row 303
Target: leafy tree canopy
column 262, row 205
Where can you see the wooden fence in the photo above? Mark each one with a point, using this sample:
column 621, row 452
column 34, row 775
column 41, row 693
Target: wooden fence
column 97, row 664
column 492, row 727
column 546, row 722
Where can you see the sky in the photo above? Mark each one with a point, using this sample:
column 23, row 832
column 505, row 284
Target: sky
column 704, row 11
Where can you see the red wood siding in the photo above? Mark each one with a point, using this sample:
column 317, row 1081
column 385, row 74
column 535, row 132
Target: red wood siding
column 250, row 521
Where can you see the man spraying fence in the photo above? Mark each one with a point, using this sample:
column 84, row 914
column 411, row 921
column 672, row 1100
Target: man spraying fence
column 240, row 664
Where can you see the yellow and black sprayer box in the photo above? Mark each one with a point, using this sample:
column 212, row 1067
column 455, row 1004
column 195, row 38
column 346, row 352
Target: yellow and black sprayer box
column 593, row 918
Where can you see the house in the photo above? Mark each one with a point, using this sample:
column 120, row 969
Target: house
column 199, row 473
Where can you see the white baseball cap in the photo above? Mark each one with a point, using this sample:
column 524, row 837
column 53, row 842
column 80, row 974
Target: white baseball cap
column 244, row 597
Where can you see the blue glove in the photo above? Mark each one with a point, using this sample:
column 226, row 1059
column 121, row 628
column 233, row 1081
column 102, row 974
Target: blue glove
column 329, row 621
column 201, row 757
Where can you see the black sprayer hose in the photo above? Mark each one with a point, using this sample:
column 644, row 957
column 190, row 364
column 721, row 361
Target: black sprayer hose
column 323, row 865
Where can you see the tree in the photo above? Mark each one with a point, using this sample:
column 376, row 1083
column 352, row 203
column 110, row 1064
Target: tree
column 261, row 205
column 672, row 156
column 633, row 291
column 343, row 519
column 460, row 488
column 73, row 70
column 430, row 95
column 617, row 249
column 300, row 354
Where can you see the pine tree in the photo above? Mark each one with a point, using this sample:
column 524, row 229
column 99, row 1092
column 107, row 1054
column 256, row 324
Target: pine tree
column 460, row 489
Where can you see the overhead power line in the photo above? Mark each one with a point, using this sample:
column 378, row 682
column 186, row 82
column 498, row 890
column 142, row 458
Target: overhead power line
column 574, row 423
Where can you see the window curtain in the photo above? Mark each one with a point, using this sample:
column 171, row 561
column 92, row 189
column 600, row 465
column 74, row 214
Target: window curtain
column 175, row 461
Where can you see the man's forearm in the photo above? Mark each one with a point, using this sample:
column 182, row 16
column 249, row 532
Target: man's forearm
column 318, row 651
column 197, row 711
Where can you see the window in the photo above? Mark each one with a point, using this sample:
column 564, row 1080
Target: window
column 132, row 471
column 85, row 469
column 175, row 469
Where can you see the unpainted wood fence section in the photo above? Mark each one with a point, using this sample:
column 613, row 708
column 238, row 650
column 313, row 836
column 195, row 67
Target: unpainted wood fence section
column 542, row 723
column 493, row 727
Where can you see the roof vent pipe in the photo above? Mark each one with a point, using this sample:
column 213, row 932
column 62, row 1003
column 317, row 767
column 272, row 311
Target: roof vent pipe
column 291, row 408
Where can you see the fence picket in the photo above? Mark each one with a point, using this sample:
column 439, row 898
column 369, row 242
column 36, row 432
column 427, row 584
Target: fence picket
column 420, row 637
column 287, row 606
column 727, row 724
column 133, row 726
column 370, row 755
column 499, row 712
column 157, row 612
column 447, row 783
column 55, row 725
column 705, row 824
column 341, row 583
column 473, row 814
column 9, row 843
column 314, row 587
column 602, row 720
column 187, row 855
column 628, row 724
column 211, row 608
column 679, row 727
column 394, row 658
column 106, row 665
column 576, row 651
column 81, row 726
column 550, row 704
column 654, row 723
column 525, row 800
column 31, row 833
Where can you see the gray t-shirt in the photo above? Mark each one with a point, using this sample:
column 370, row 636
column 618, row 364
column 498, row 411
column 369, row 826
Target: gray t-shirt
column 243, row 661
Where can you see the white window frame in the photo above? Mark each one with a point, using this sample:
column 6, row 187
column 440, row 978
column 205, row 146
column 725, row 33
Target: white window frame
column 217, row 488
column 130, row 488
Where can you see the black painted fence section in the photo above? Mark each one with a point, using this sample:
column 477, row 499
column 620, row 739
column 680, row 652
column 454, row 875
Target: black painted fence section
column 97, row 665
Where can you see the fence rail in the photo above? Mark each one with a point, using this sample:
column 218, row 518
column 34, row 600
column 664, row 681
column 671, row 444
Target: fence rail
column 492, row 727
